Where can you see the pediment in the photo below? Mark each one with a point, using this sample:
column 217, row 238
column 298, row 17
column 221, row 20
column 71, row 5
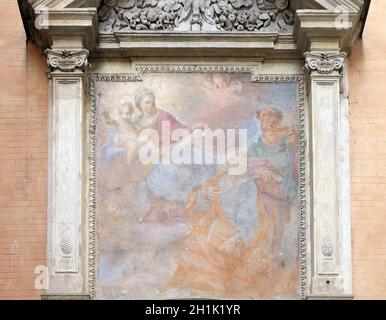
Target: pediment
column 210, row 27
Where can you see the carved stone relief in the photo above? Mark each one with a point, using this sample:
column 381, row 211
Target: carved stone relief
column 66, row 60
column 327, row 246
column 324, row 63
column 196, row 15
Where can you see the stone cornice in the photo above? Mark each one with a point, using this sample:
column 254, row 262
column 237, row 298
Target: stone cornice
column 350, row 5
column 313, row 19
column 50, row 22
column 219, row 44
column 314, row 23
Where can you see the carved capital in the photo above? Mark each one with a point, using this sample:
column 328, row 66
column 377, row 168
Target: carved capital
column 324, row 63
column 67, row 60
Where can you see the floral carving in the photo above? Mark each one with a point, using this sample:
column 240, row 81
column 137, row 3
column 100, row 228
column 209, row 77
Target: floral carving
column 140, row 15
column 225, row 15
column 247, row 15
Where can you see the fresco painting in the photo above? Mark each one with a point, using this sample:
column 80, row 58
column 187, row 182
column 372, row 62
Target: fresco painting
column 167, row 230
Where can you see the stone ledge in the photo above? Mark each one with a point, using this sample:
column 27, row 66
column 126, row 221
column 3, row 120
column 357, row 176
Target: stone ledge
column 330, row 297
column 61, row 296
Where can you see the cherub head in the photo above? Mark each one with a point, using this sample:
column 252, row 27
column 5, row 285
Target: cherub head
column 121, row 114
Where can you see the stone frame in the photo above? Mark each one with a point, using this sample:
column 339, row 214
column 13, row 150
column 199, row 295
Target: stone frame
column 202, row 68
column 70, row 35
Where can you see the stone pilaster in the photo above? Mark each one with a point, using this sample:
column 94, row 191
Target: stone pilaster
column 66, row 247
column 330, row 240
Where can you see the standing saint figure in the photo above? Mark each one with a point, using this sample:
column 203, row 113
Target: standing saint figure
column 272, row 162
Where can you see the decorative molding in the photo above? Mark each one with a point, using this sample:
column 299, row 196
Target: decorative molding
column 67, row 60
column 92, row 189
column 324, row 63
column 302, row 187
column 197, row 15
column 293, row 22
column 183, row 68
column 255, row 77
column 118, row 77
column 165, row 68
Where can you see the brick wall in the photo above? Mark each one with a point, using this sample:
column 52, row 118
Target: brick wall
column 367, row 67
column 23, row 157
